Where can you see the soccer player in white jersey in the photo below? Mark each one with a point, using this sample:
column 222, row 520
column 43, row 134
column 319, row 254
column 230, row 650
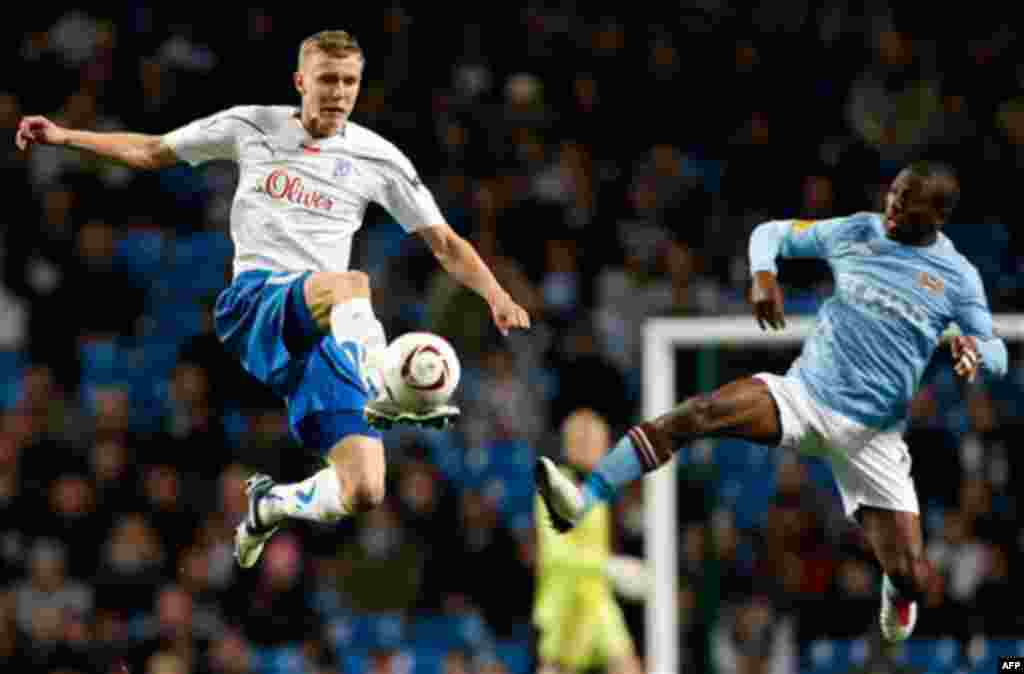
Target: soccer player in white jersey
column 900, row 284
column 294, row 315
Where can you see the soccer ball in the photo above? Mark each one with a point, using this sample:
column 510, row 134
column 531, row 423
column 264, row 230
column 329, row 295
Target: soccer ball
column 423, row 372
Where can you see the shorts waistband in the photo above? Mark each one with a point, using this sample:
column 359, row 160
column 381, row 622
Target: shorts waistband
column 267, row 276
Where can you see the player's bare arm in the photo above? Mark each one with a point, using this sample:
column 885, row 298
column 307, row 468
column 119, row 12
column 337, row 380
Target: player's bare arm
column 766, row 300
column 137, row 150
column 460, row 259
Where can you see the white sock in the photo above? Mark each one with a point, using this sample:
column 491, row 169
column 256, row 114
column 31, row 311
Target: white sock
column 354, row 321
column 317, row 498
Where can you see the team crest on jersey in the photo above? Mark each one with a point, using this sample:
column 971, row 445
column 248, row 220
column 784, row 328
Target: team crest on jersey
column 342, row 168
column 932, row 284
column 802, row 225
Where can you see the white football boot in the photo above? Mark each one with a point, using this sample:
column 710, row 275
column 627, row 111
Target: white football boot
column 561, row 495
column 250, row 535
column 898, row 616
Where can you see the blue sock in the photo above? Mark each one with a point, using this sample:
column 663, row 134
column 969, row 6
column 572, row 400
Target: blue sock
column 618, row 468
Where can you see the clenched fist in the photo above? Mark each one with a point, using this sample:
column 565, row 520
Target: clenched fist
column 38, row 129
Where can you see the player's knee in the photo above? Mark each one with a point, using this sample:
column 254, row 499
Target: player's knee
column 347, row 285
column 336, row 287
column 324, row 290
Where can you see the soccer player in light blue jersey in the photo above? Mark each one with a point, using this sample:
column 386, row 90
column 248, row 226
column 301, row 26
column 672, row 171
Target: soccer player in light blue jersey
column 900, row 284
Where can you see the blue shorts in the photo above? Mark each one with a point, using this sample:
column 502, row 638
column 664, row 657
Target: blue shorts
column 263, row 320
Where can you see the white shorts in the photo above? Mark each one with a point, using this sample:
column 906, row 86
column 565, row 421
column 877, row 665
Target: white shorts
column 871, row 468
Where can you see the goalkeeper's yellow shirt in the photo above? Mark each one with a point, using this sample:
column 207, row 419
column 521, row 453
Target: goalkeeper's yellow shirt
column 575, row 608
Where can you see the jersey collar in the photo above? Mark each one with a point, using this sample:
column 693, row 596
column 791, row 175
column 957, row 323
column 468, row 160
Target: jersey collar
column 297, row 118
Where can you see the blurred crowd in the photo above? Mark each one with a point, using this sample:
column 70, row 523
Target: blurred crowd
column 609, row 167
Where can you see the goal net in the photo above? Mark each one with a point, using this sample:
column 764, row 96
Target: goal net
column 715, row 350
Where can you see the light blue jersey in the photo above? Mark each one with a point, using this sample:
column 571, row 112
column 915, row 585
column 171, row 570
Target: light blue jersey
column 892, row 302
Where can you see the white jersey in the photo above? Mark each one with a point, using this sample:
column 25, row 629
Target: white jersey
column 300, row 199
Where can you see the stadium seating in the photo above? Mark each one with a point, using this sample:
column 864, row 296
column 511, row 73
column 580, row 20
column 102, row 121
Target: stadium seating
column 447, row 632
column 428, row 662
column 933, row 656
column 282, row 660
column 982, row 654
column 515, row 655
column 831, row 656
column 363, row 632
column 101, row 363
column 140, row 253
column 11, row 364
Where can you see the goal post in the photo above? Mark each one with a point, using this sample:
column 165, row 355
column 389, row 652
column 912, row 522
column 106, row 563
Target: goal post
column 662, row 336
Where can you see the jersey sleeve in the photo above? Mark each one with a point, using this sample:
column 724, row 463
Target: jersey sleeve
column 974, row 319
column 972, row 313
column 406, row 198
column 817, row 238
column 797, row 238
column 209, row 138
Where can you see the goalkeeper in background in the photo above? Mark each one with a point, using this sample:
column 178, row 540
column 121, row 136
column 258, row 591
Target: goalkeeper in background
column 581, row 625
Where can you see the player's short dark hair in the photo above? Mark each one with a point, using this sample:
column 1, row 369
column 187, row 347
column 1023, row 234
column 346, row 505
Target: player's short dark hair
column 949, row 195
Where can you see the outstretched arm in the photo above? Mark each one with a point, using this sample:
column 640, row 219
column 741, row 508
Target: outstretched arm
column 460, row 259
column 786, row 238
column 766, row 299
column 766, row 244
column 795, row 238
column 977, row 347
column 137, row 150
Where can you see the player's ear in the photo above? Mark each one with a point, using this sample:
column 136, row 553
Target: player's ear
column 300, row 84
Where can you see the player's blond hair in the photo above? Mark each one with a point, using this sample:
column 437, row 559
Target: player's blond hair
column 337, row 43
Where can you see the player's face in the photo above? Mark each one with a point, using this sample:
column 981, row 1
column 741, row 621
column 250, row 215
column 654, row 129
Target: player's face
column 329, row 87
column 911, row 214
column 586, row 442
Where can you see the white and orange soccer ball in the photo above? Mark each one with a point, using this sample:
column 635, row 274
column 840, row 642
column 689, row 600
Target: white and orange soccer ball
column 422, row 372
